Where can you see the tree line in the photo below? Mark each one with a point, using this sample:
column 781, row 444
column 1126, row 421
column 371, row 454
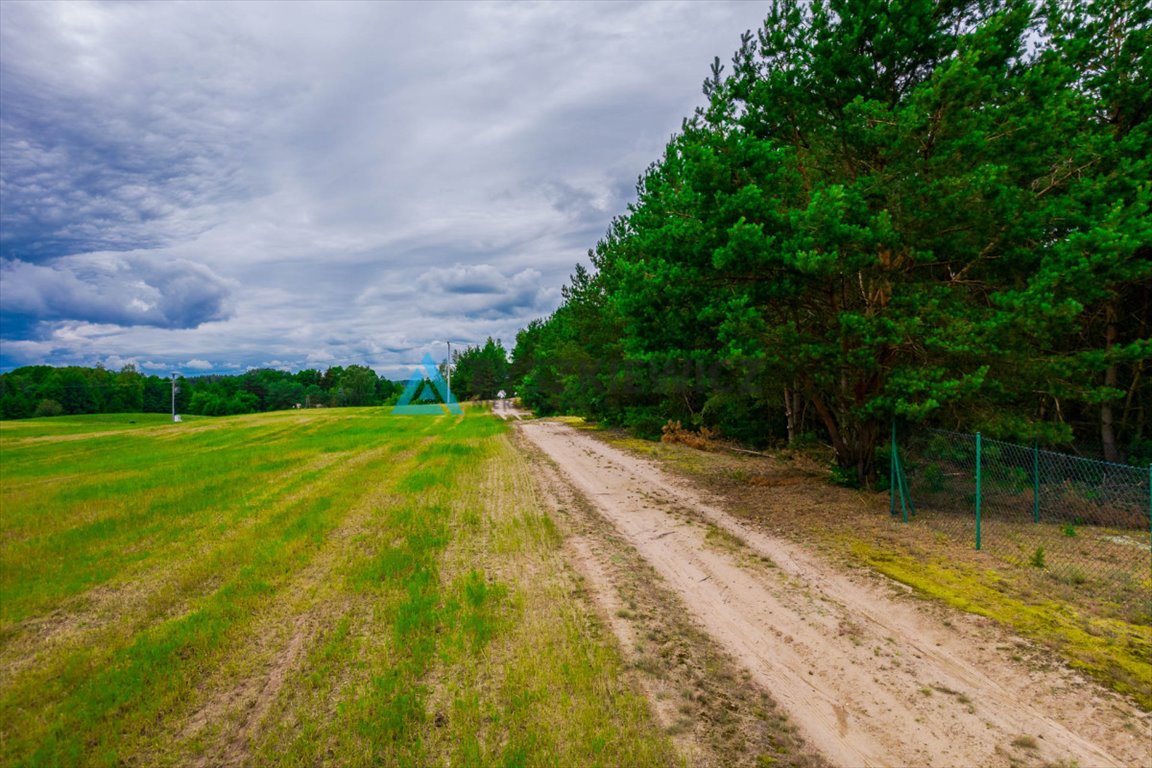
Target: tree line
column 44, row 390
column 933, row 211
column 481, row 372
column 478, row 372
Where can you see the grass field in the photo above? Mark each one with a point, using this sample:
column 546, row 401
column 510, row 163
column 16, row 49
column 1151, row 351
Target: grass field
column 299, row 588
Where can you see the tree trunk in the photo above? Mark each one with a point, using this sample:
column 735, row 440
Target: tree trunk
column 855, row 445
column 798, row 409
column 790, row 413
column 838, row 445
column 1107, row 430
column 864, row 448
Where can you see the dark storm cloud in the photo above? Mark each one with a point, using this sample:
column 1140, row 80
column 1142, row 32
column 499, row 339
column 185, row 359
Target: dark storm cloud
column 327, row 183
column 481, row 291
column 71, row 183
column 106, row 156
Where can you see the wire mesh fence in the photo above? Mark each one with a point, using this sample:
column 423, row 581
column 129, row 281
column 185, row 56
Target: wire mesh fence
column 1082, row 522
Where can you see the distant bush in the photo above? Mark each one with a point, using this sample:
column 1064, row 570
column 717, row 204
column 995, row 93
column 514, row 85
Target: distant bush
column 48, row 407
column 644, row 422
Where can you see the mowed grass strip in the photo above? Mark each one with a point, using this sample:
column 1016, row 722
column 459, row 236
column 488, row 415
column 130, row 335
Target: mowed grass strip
column 344, row 588
column 203, row 555
column 122, row 502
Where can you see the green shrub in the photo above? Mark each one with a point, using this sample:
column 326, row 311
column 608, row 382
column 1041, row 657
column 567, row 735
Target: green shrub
column 1038, row 558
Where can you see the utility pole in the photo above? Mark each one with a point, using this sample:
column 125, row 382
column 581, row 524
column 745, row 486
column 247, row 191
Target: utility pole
column 449, row 398
column 174, row 390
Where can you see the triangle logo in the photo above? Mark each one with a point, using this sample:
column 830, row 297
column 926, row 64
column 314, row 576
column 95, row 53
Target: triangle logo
column 426, row 393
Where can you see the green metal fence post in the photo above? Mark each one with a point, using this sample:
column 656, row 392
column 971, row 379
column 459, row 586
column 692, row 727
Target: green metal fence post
column 978, row 499
column 1035, row 481
column 892, row 473
column 903, row 490
column 897, row 481
column 905, row 496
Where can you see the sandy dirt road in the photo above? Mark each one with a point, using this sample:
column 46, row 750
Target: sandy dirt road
column 506, row 409
column 871, row 676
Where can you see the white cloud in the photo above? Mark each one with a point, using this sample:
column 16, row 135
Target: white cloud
column 322, row 183
column 122, row 289
column 116, row 362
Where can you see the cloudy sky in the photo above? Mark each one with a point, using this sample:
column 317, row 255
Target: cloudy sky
column 218, row 186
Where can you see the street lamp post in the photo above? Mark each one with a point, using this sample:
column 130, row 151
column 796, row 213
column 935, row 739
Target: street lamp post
column 174, row 389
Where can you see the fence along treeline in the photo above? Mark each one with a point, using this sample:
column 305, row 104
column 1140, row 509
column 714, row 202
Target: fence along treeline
column 49, row 391
column 933, row 211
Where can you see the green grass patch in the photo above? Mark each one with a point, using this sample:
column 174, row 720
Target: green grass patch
column 283, row 588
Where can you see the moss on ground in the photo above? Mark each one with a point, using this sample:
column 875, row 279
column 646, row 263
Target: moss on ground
column 1115, row 652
